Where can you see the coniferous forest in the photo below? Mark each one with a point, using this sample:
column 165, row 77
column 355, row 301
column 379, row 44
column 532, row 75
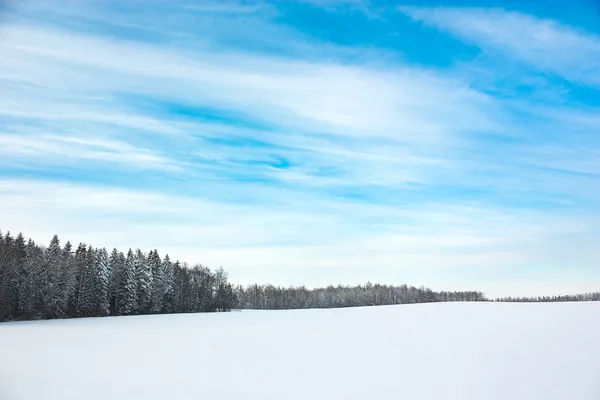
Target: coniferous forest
column 38, row 282
column 61, row 281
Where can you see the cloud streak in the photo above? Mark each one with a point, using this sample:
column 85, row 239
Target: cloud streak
column 545, row 44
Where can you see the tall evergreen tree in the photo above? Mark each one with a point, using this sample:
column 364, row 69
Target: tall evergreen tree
column 143, row 276
column 7, row 267
column 81, row 280
column 101, row 283
column 116, row 265
column 67, row 277
column 127, row 294
column 87, row 287
column 30, row 289
column 18, row 277
column 54, row 293
column 168, row 278
column 158, row 283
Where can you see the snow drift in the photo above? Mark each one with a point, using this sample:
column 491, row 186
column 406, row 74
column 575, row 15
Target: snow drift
column 424, row 351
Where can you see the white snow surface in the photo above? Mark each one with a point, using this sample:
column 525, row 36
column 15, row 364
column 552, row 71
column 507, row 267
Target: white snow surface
column 447, row 351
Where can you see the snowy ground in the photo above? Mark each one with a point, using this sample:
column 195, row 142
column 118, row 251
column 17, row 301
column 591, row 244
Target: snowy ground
column 459, row 351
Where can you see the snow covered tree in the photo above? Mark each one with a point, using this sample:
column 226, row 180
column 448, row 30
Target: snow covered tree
column 31, row 300
column 127, row 294
column 17, row 277
column 224, row 295
column 80, row 263
column 143, row 276
column 168, row 285
column 116, row 265
column 158, row 283
column 7, row 269
column 67, row 277
column 55, row 281
column 101, row 282
column 86, row 297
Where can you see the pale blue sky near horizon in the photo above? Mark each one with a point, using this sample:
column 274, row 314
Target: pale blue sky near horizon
column 451, row 144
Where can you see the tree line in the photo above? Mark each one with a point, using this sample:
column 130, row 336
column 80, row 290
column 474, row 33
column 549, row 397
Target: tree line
column 38, row 282
column 54, row 281
column 594, row 296
column 269, row 297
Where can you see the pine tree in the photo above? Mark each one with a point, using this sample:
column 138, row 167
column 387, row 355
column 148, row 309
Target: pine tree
column 101, row 283
column 116, row 265
column 7, row 267
column 87, row 285
column 143, row 276
column 18, row 277
column 158, row 284
column 66, row 277
column 54, row 295
column 32, row 263
column 168, row 285
column 80, row 272
column 127, row 293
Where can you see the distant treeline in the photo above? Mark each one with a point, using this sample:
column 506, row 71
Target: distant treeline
column 548, row 299
column 39, row 282
column 268, row 297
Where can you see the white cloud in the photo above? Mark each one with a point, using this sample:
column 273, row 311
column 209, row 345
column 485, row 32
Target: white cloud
column 386, row 116
column 54, row 149
column 545, row 44
column 330, row 97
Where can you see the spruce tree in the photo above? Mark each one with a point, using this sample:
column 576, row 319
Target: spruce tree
column 116, row 265
column 66, row 277
column 6, row 274
column 18, row 277
column 168, row 285
column 101, row 283
column 158, row 284
column 87, row 286
column 30, row 290
column 127, row 293
column 143, row 276
column 54, row 295
column 80, row 272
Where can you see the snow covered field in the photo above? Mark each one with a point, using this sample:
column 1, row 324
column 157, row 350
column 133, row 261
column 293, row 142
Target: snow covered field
column 450, row 351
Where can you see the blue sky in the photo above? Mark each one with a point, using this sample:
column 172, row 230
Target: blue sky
column 450, row 144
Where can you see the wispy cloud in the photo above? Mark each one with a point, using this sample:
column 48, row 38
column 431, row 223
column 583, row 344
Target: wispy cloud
column 327, row 97
column 566, row 51
column 328, row 110
column 55, row 149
